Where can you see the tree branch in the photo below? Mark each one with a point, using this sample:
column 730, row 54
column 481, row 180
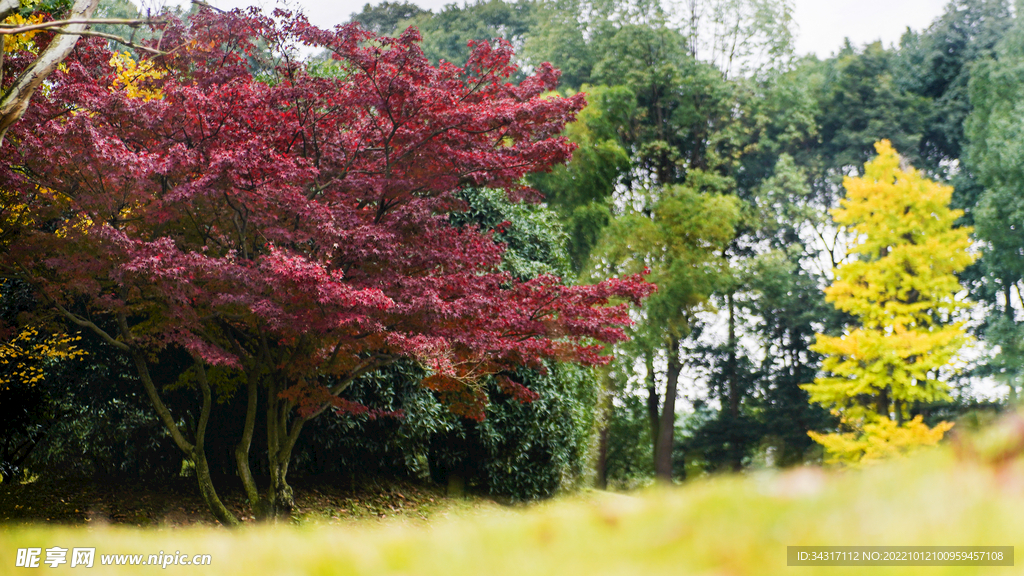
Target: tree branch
column 15, row 100
column 75, row 318
column 15, row 29
column 142, row 367
column 210, row 6
column 78, row 320
column 119, row 40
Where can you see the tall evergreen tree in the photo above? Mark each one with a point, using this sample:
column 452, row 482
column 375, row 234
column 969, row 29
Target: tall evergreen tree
column 996, row 154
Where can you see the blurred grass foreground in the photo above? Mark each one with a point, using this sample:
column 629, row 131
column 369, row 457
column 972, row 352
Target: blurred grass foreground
column 968, row 493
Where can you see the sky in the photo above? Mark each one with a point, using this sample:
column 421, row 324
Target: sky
column 822, row 24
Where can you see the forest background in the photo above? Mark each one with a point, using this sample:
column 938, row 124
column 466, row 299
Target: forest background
column 710, row 154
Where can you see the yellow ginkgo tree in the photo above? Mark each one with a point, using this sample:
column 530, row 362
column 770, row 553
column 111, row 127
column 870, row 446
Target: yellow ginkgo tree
column 900, row 285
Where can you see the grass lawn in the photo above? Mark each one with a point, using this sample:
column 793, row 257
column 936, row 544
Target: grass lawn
column 722, row 526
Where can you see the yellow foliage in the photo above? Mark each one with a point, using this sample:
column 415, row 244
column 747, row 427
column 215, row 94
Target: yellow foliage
column 909, row 251
column 13, row 214
column 879, row 440
column 14, row 42
column 901, row 285
column 17, row 215
column 22, row 358
column 135, row 77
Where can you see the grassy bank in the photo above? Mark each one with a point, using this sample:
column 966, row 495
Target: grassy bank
column 733, row 525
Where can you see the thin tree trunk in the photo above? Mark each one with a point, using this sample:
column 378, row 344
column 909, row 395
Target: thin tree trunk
column 281, row 492
column 280, row 442
column 206, row 487
column 603, row 436
column 245, row 443
column 734, row 389
column 1009, row 303
column 666, row 429
column 125, row 343
column 653, row 401
column 882, row 405
column 282, row 436
column 281, row 495
column 196, row 453
column 276, row 507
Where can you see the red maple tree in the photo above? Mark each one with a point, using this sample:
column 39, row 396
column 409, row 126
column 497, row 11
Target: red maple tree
column 293, row 225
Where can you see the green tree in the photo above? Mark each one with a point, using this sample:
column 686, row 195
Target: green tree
column 446, row 33
column 679, row 236
column 936, row 64
column 995, row 153
column 678, row 118
column 581, row 191
column 567, row 33
column 861, row 101
column 754, row 369
column 383, row 18
column 902, row 289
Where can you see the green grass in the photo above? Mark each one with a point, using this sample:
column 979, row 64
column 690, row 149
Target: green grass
column 729, row 525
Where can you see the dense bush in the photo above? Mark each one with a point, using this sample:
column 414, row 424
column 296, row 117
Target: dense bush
column 520, row 450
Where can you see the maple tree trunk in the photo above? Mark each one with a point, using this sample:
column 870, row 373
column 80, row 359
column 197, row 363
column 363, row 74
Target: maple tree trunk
column 666, row 428
column 206, row 487
column 209, row 492
column 274, row 507
column 194, row 452
column 242, row 449
column 280, row 499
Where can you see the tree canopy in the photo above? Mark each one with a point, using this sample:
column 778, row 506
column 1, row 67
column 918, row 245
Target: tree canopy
column 294, row 227
column 902, row 289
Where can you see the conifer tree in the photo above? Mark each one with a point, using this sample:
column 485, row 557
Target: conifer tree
column 900, row 286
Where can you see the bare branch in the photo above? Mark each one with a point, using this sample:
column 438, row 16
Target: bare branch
column 84, row 323
column 15, row 29
column 119, row 40
column 205, row 5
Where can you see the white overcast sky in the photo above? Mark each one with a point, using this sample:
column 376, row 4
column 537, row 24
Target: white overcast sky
column 822, row 23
